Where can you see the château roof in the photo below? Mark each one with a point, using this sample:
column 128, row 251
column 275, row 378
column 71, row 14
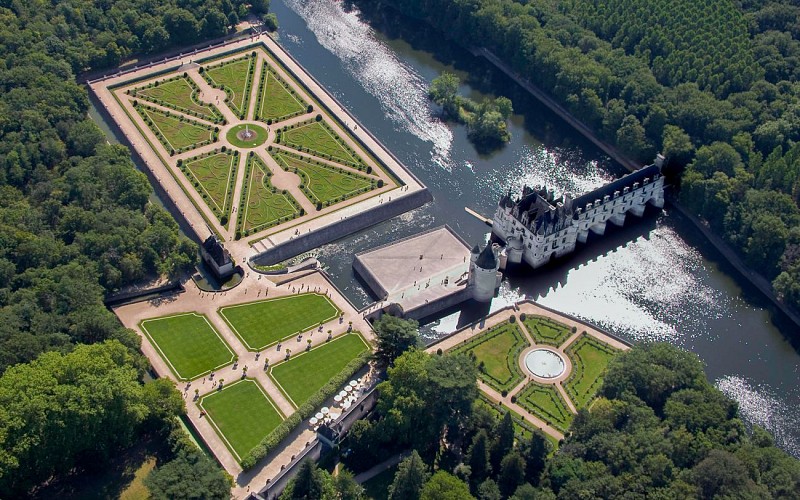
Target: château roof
column 651, row 171
column 486, row 260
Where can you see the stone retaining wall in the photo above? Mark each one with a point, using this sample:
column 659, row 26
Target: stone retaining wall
column 339, row 229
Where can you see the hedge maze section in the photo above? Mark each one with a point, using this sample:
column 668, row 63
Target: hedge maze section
column 242, row 414
column 267, row 322
column 213, row 175
column 589, row 357
column 324, row 184
column 181, row 94
column 188, row 344
column 546, row 331
column 276, row 100
column 263, row 205
column 176, row 133
column 319, row 139
column 496, row 353
column 303, row 375
column 236, row 79
column 546, row 402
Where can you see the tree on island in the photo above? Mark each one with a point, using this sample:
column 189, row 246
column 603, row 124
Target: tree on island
column 486, row 120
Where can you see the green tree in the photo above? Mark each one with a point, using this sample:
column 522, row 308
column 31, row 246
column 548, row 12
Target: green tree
column 65, row 409
column 445, row 486
column 310, row 483
column 479, row 458
column 536, row 457
column 512, row 473
column 444, row 92
column 347, row 487
column 503, row 442
column 394, row 337
column 190, row 475
column 488, row 490
column 411, row 476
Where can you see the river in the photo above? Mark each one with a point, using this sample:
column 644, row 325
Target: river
column 652, row 280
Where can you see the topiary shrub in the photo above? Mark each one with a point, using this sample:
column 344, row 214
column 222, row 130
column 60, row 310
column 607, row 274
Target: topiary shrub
column 318, row 117
column 512, row 319
column 523, row 317
column 380, row 183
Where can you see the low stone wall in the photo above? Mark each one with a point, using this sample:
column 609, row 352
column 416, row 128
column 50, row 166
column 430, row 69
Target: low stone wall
column 339, row 229
column 431, row 308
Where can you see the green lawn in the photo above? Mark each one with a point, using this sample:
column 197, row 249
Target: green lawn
column 324, row 183
column 307, row 372
column 275, row 101
column 213, row 177
column 188, row 343
column 546, row 402
column 589, row 358
column 179, row 93
column 321, row 140
column 233, row 77
column 174, row 133
column 266, row 322
column 263, row 205
column 546, row 331
column 242, row 414
column 497, row 351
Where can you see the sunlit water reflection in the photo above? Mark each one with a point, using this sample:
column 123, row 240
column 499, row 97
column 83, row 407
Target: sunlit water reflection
column 644, row 282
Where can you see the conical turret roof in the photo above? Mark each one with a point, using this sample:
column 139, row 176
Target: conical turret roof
column 486, row 260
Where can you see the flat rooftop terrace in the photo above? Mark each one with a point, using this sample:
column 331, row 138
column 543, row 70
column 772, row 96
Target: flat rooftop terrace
column 406, row 268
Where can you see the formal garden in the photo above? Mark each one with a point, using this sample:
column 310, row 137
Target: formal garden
column 179, row 93
column 546, row 331
column 496, row 353
column 303, row 374
column 277, row 101
column 544, row 401
column 317, row 138
column 242, row 414
column 235, row 77
column 189, row 344
column 536, row 376
column 263, row 205
column 213, row 175
column 176, row 132
column 589, row 357
column 263, row 323
column 324, row 184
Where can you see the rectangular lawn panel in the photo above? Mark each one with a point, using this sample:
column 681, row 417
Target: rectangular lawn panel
column 276, row 100
column 234, row 78
column 589, row 358
column 319, row 139
column 546, row 402
column 242, row 414
column 306, row 373
column 263, row 205
column 176, row 134
column 324, row 184
column 213, row 176
column 546, row 331
column 188, row 343
column 497, row 354
column 266, row 322
column 181, row 94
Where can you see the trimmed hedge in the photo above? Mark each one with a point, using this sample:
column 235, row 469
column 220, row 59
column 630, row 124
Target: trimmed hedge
column 305, row 411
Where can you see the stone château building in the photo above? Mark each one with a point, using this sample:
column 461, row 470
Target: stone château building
column 539, row 226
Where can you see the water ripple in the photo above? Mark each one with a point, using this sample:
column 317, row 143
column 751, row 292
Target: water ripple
column 760, row 405
column 401, row 91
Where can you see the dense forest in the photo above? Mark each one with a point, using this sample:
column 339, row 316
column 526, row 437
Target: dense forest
column 76, row 223
column 658, row 429
column 713, row 85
